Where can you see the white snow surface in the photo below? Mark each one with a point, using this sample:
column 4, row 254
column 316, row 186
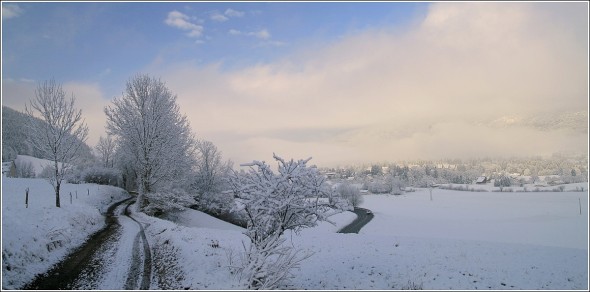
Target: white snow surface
column 459, row 240
column 37, row 163
column 193, row 218
column 37, row 237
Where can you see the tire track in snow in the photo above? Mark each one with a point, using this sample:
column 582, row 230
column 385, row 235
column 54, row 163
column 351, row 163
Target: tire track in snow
column 136, row 269
column 66, row 273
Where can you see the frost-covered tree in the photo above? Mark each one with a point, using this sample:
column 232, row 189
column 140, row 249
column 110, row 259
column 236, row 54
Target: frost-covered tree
column 210, row 170
column 106, row 150
column 350, row 193
column 292, row 199
column 60, row 134
column 147, row 124
column 396, row 185
column 502, row 181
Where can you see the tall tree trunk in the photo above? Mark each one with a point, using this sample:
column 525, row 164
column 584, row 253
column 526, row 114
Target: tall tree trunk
column 57, row 183
column 57, row 186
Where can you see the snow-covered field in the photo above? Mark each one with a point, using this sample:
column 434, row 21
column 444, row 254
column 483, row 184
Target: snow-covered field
column 459, row 240
column 35, row 238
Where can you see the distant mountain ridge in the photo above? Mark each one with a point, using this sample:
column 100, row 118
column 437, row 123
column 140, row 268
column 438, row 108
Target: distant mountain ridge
column 575, row 121
column 14, row 136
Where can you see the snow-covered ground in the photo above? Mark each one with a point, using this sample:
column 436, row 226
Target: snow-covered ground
column 186, row 252
column 35, row 238
column 38, row 164
column 459, row 240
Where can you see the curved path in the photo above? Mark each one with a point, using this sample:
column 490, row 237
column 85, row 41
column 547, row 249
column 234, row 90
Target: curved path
column 110, row 259
column 356, row 225
column 136, row 268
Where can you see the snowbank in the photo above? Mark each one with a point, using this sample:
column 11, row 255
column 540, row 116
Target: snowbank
column 37, row 237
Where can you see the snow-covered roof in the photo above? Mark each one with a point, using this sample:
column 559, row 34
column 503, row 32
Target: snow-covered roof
column 481, row 179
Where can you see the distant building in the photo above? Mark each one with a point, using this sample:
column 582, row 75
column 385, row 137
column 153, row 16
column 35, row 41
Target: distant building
column 481, row 180
column 330, row 175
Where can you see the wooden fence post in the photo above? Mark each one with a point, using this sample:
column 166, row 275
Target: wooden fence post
column 76, row 194
column 70, row 198
column 27, row 198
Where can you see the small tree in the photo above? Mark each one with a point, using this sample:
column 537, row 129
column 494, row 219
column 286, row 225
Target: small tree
column 275, row 203
column 397, row 185
column 350, row 193
column 503, row 181
column 375, row 170
column 60, row 133
column 106, row 150
column 25, row 169
column 211, row 170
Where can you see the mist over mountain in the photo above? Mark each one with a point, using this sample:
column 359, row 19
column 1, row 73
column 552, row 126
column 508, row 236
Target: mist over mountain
column 574, row 121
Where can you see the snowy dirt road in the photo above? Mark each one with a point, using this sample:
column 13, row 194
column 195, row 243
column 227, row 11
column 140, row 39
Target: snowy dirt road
column 117, row 257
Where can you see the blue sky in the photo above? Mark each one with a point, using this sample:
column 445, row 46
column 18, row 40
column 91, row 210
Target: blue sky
column 341, row 82
column 109, row 42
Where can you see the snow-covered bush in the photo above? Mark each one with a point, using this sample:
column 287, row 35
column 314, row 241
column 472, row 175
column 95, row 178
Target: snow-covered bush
column 379, row 187
column 219, row 204
column 164, row 201
column 292, row 199
column 102, row 176
column 503, row 181
column 350, row 193
column 25, row 169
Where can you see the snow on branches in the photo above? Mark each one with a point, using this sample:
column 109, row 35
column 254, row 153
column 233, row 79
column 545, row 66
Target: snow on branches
column 294, row 198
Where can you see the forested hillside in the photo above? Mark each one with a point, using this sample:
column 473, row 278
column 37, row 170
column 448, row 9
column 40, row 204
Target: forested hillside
column 14, row 137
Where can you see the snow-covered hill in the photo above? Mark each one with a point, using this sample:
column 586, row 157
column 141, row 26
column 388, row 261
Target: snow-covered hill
column 38, row 164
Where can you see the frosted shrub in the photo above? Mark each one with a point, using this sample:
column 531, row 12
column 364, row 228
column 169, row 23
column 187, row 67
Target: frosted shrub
column 102, row 176
column 292, row 199
column 350, row 193
column 169, row 200
column 25, row 169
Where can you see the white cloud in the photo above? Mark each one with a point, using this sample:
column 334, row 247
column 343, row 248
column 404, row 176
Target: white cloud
column 218, row 17
column 234, row 13
column 11, row 11
column 181, row 21
column 234, row 32
column 426, row 92
column 273, row 43
column 261, row 34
